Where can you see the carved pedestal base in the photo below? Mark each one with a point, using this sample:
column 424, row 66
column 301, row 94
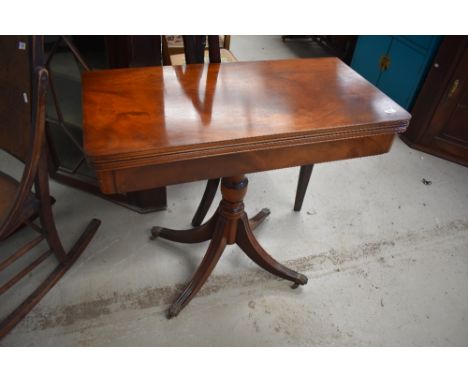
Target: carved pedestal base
column 229, row 225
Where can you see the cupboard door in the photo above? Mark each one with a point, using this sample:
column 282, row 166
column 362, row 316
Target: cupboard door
column 448, row 130
column 404, row 72
column 367, row 55
column 395, row 64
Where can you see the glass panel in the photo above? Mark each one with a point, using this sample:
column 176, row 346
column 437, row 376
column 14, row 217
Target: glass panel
column 65, row 72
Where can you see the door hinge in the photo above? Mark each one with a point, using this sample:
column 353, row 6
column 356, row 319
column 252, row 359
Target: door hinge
column 454, row 88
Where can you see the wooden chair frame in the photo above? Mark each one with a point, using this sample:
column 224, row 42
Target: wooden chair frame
column 20, row 214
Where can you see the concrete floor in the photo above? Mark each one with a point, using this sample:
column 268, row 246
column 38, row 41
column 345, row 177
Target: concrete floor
column 386, row 257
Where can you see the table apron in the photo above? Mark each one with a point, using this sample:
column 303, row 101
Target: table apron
column 158, row 175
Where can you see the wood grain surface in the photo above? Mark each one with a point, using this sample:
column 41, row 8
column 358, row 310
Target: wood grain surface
column 144, row 117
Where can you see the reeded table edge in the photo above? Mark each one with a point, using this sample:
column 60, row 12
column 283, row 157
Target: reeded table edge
column 157, row 156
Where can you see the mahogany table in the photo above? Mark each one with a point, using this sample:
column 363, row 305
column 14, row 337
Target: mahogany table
column 152, row 127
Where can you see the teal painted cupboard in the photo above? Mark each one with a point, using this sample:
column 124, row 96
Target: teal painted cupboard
column 397, row 65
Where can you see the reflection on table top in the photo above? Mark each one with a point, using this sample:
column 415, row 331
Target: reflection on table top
column 160, row 110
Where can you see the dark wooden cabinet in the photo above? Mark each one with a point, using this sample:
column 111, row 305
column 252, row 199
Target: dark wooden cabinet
column 133, row 51
column 440, row 113
column 341, row 46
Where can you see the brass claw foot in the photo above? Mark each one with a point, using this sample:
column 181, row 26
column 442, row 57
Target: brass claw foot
column 155, row 232
column 259, row 218
column 173, row 311
column 302, row 280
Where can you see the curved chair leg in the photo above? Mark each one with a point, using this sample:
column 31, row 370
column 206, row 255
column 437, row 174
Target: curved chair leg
column 45, row 212
column 249, row 244
column 302, row 183
column 213, row 253
column 21, row 311
column 193, row 235
column 207, row 200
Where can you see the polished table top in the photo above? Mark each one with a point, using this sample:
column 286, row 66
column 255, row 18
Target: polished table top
column 227, row 119
column 156, row 110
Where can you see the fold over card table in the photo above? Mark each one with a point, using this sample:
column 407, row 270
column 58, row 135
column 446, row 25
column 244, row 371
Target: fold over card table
column 156, row 126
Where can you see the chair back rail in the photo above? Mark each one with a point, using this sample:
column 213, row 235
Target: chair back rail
column 194, row 49
column 31, row 166
column 12, row 135
column 213, row 49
